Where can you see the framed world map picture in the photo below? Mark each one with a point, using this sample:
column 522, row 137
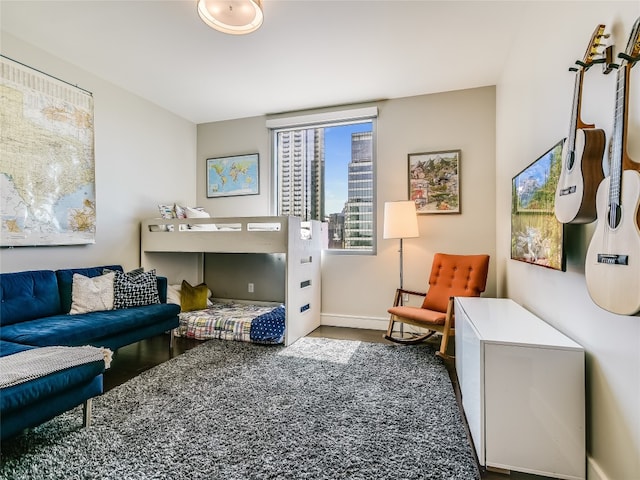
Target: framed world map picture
column 233, row 176
column 47, row 164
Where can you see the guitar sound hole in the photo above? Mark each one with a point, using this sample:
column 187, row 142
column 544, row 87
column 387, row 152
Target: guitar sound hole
column 615, row 213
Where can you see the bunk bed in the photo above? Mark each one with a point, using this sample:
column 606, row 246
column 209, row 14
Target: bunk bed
column 259, row 261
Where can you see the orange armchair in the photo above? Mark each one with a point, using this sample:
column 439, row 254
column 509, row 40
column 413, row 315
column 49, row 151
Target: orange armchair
column 451, row 276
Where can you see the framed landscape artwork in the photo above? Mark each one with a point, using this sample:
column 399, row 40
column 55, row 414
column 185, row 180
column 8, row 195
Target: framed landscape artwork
column 536, row 235
column 434, row 181
column 233, row 176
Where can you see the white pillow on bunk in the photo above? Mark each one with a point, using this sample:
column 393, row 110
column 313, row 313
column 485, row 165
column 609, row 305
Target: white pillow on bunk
column 199, row 213
column 196, row 212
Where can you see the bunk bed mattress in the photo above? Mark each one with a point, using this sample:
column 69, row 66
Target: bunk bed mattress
column 234, row 321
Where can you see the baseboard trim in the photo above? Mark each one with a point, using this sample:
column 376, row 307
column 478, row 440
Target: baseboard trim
column 352, row 321
column 594, row 472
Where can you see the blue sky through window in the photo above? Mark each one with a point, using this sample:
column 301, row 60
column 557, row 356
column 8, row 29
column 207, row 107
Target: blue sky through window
column 337, row 151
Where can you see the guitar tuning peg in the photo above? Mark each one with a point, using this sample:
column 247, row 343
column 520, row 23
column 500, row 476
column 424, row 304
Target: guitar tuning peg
column 608, row 65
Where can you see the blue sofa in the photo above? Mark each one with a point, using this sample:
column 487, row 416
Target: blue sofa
column 34, row 312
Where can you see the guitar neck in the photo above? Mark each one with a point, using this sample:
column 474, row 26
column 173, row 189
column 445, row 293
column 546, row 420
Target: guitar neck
column 575, row 111
column 591, row 56
column 629, row 58
column 616, row 151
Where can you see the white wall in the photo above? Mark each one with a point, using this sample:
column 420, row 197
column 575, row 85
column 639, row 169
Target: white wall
column 144, row 155
column 533, row 106
column 358, row 289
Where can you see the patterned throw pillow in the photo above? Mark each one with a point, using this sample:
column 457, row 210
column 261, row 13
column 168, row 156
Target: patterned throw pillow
column 179, row 211
column 166, row 211
column 135, row 288
column 93, row 294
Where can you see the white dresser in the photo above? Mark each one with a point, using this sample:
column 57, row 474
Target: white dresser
column 523, row 389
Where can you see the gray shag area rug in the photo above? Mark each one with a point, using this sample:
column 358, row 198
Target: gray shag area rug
column 318, row 409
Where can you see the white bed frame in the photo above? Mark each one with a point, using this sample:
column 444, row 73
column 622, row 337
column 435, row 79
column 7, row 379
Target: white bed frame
column 176, row 251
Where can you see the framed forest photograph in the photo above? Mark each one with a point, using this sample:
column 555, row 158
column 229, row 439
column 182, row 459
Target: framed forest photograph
column 537, row 237
column 434, row 181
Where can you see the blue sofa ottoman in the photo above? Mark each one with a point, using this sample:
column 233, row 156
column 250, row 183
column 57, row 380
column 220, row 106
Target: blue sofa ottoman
column 34, row 312
column 30, row 403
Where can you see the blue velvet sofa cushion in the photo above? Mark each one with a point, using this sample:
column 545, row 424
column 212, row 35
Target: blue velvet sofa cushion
column 9, row 348
column 88, row 328
column 18, row 396
column 65, row 281
column 28, row 295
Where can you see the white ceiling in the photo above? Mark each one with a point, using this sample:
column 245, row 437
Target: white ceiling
column 307, row 54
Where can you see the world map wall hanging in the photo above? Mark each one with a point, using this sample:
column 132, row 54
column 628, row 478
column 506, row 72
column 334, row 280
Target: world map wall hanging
column 47, row 164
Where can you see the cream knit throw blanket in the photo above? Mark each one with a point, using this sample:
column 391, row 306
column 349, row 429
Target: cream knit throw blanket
column 30, row 364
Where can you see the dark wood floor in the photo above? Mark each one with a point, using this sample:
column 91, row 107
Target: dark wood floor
column 129, row 361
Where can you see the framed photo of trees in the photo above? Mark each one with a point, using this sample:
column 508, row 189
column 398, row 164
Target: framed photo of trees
column 537, row 236
column 434, row 181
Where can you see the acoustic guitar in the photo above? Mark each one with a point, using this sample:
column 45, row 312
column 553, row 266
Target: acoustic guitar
column 612, row 265
column 582, row 151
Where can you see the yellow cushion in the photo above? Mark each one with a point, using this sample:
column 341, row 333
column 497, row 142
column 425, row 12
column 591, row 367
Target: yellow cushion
column 193, row 298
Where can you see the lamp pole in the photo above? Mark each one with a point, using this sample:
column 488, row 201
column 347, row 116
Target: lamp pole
column 400, row 221
column 401, row 264
column 401, row 285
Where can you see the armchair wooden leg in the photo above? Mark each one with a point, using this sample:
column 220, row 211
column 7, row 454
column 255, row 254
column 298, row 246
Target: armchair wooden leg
column 447, row 331
column 408, row 341
column 443, row 346
column 389, row 328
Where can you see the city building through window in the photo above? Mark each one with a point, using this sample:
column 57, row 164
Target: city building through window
column 325, row 172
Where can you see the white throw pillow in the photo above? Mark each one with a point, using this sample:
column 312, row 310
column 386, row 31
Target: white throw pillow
column 91, row 294
column 173, row 294
column 197, row 212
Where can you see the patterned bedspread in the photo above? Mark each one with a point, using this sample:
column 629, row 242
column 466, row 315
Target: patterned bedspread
column 234, row 321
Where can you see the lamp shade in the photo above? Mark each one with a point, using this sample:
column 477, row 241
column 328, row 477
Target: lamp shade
column 400, row 219
column 236, row 17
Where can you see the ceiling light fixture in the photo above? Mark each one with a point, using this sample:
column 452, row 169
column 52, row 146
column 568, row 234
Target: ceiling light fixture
column 236, row 17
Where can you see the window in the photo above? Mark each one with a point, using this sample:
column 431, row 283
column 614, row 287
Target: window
column 325, row 171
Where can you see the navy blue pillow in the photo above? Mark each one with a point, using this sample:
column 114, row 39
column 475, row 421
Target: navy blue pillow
column 269, row 327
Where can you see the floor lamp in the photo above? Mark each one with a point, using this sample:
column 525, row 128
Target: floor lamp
column 400, row 221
